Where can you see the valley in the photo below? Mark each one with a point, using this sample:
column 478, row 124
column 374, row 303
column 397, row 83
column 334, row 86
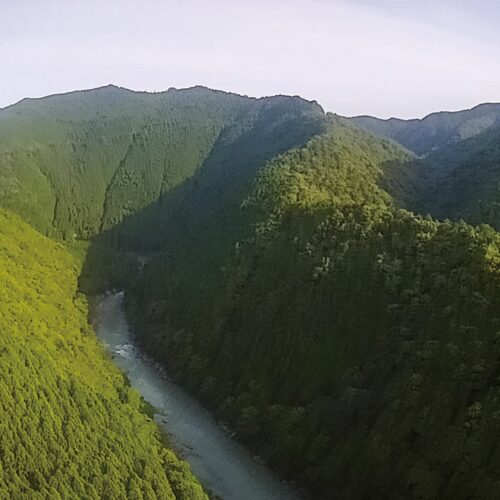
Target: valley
column 328, row 286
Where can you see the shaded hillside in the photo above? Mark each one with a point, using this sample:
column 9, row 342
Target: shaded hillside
column 71, row 426
column 462, row 154
column 469, row 187
column 211, row 198
column 202, row 215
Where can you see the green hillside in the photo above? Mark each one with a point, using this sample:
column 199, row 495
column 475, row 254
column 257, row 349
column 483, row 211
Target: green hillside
column 76, row 164
column 70, row 425
column 307, row 334
column 349, row 341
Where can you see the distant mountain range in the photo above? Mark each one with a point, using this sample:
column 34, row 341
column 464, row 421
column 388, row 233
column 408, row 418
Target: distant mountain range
column 462, row 150
column 426, row 135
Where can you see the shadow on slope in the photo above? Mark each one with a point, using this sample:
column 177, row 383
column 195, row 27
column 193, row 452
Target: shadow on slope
column 201, row 292
column 203, row 211
column 466, row 180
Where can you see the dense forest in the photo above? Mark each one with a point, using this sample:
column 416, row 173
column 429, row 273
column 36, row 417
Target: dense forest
column 329, row 287
column 75, row 165
column 343, row 336
column 71, row 426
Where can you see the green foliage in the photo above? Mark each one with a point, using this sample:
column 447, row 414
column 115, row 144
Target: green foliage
column 271, row 263
column 324, row 337
column 70, row 425
column 77, row 164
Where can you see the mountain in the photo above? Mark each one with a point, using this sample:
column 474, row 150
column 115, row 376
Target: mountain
column 294, row 281
column 76, row 164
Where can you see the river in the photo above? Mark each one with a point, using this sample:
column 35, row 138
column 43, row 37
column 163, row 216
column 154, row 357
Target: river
column 222, row 465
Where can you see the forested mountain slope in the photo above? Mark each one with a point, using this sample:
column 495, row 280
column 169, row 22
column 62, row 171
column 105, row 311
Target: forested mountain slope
column 76, row 164
column 469, row 186
column 73, row 166
column 341, row 336
column 70, row 425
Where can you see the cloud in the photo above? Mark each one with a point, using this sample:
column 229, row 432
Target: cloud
column 352, row 57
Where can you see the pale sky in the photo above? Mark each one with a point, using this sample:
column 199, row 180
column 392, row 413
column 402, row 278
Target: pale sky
column 402, row 58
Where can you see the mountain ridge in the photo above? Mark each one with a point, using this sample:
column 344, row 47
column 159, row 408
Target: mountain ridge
column 429, row 133
column 427, row 116
column 96, row 133
column 114, row 87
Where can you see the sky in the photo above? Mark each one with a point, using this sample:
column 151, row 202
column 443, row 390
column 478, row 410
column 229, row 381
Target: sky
column 403, row 58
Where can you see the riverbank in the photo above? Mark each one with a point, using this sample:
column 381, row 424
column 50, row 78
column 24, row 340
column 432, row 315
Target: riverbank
column 222, row 465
